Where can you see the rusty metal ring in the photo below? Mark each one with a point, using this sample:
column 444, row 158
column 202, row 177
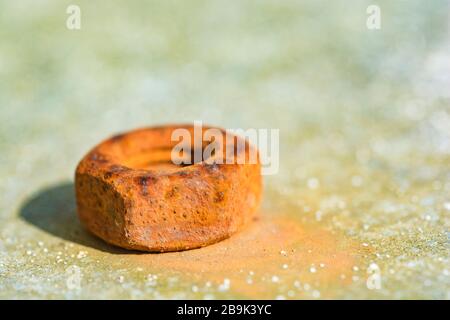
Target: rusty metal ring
column 130, row 194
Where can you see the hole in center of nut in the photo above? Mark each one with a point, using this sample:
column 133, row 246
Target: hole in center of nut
column 160, row 160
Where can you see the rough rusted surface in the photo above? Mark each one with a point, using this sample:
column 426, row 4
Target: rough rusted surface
column 131, row 195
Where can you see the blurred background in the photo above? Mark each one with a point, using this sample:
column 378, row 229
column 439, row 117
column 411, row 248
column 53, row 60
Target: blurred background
column 364, row 119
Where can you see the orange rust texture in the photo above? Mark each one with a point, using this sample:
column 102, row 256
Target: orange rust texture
column 130, row 194
column 263, row 248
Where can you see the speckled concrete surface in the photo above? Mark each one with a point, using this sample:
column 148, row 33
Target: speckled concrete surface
column 364, row 120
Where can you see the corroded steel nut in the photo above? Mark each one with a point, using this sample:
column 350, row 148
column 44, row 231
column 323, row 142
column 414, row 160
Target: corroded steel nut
column 130, row 194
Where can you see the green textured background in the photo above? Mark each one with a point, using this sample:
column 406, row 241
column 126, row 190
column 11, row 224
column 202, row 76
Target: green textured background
column 365, row 113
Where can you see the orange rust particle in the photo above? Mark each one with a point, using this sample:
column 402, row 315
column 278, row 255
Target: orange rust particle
column 130, row 193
